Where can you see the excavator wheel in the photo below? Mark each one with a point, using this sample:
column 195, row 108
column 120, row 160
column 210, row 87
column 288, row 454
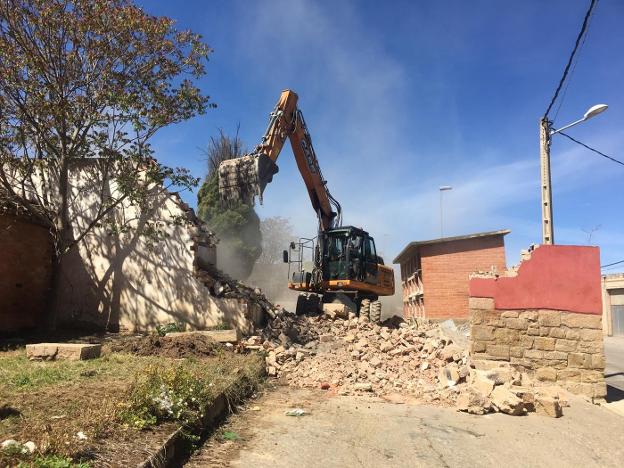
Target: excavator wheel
column 365, row 308
column 375, row 312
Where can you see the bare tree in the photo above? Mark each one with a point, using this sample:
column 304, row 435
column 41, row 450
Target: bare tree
column 277, row 233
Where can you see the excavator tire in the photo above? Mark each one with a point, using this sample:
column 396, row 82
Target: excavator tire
column 375, row 312
column 365, row 308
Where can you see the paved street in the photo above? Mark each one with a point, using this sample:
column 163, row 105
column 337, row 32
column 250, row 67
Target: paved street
column 367, row 432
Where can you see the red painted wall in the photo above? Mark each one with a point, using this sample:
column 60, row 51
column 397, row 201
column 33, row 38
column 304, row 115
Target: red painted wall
column 558, row 277
column 446, row 268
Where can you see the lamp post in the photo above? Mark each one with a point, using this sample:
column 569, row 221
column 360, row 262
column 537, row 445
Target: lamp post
column 443, row 188
column 546, row 132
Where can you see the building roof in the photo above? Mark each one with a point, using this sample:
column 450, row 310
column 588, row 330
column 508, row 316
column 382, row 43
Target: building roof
column 412, row 246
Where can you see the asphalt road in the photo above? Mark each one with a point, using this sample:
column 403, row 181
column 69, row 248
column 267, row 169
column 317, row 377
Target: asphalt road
column 367, row 432
column 614, row 371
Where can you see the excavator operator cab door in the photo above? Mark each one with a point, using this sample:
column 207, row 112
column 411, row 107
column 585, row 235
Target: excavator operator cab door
column 370, row 261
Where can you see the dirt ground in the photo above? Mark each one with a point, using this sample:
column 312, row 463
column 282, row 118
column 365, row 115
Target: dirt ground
column 166, row 346
column 352, row 431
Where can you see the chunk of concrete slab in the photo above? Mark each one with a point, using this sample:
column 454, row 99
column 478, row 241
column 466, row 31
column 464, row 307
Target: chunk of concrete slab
column 221, row 336
column 66, row 351
column 337, row 310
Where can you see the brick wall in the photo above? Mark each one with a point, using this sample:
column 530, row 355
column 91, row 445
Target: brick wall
column 552, row 346
column 446, row 268
column 25, row 273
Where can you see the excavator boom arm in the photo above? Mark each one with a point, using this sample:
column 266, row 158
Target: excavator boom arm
column 246, row 177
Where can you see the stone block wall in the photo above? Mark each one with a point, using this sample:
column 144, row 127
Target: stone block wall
column 551, row 346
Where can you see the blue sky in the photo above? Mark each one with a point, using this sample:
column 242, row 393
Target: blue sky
column 402, row 97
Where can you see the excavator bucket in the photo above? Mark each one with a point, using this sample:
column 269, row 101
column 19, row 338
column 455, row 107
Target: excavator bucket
column 244, row 178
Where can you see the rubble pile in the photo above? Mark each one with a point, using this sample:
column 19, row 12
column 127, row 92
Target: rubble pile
column 425, row 360
column 354, row 355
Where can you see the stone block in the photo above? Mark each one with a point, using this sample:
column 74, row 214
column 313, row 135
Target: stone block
column 220, row 336
column 544, row 331
column 482, row 383
column 544, row 343
column 533, row 354
column 478, row 347
column 506, row 335
column 580, row 388
column 64, row 351
column 599, row 390
column 573, row 334
column 557, row 332
column 516, row 351
column 569, row 374
column 482, row 332
column 507, row 402
column 573, row 320
column 598, row 361
column 548, row 406
column 579, row 360
column 498, row 351
column 522, row 362
column 481, row 303
column 337, row 310
column 516, row 323
column 591, row 335
column 592, row 376
column 533, row 330
column 509, row 314
column 546, row 374
column 556, row 355
column 549, row 318
column 530, row 315
column 590, row 347
column 477, row 316
column 486, row 364
column 566, row 345
column 526, row 341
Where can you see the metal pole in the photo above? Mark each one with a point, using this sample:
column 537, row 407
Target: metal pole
column 548, row 236
column 441, row 224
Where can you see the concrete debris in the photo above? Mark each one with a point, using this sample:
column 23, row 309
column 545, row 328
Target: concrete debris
column 548, row 406
column 507, row 402
column 355, row 356
column 417, row 360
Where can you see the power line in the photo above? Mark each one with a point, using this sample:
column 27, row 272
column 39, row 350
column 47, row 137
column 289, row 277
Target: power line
column 567, row 85
column 576, row 45
column 592, row 149
column 611, row 264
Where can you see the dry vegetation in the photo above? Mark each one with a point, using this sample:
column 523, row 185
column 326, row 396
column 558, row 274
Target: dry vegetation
column 111, row 411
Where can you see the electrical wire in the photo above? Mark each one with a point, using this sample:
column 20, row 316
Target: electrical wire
column 592, row 149
column 576, row 46
column 611, row 264
column 576, row 61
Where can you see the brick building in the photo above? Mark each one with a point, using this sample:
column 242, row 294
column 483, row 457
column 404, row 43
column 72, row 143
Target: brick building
column 434, row 273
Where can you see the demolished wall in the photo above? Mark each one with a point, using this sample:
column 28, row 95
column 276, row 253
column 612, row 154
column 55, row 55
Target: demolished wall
column 123, row 280
column 544, row 319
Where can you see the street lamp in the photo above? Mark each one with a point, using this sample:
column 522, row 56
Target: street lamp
column 546, row 132
column 443, row 188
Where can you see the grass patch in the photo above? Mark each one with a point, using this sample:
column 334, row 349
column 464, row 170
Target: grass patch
column 111, row 400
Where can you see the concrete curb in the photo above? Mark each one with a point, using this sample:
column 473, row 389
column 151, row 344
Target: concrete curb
column 179, row 445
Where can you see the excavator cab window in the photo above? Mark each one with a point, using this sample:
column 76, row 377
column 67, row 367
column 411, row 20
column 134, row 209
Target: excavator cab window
column 370, row 261
column 336, row 252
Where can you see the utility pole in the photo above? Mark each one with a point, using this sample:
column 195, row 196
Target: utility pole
column 548, row 236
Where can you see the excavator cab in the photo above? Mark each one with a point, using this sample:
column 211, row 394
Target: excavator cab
column 349, row 254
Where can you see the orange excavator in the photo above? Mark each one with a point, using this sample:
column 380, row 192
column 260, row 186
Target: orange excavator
column 345, row 266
